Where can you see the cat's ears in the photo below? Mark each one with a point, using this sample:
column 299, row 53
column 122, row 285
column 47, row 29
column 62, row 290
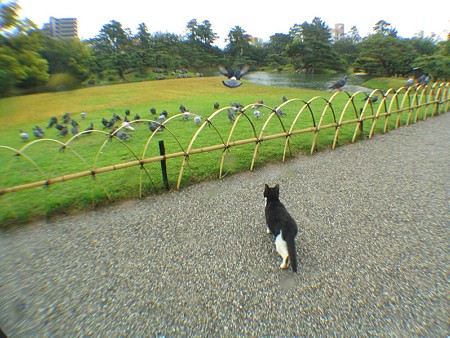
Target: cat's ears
column 266, row 188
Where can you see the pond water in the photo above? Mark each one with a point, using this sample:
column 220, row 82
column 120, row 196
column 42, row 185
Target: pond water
column 310, row 81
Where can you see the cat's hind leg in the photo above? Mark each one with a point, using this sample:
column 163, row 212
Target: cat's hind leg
column 282, row 249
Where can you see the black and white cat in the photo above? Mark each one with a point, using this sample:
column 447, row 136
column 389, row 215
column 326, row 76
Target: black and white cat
column 282, row 226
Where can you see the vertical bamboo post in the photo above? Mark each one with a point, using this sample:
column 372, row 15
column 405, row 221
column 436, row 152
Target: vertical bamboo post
column 162, row 152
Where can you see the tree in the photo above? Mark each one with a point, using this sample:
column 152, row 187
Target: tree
column 437, row 65
column 353, row 35
column 201, row 33
column 384, row 28
column 385, row 55
column 347, row 50
column 238, row 43
column 66, row 56
column 277, row 49
column 9, row 17
column 113, row 47
column 311, row 47
column 423, row 46
column 143, row 50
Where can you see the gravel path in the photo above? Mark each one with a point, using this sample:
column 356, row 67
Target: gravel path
column 373, row 250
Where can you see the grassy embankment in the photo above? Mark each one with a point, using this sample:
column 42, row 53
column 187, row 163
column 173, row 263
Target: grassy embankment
column 94, row 151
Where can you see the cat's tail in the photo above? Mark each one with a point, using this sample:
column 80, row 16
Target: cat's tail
column 290, row 241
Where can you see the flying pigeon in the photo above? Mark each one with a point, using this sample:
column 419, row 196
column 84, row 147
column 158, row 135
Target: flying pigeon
column 339, row 84
column 233, row 75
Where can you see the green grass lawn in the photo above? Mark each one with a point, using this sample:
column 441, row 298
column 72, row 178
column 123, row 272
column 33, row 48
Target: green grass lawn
column 45, row 159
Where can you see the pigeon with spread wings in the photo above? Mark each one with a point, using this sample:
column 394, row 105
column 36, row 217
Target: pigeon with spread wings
column 233, row 75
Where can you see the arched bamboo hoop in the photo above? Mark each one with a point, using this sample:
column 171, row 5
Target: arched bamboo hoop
column 261, row 138
column 230, row 134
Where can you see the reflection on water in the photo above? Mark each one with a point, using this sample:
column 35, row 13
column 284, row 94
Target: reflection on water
column 310, row 81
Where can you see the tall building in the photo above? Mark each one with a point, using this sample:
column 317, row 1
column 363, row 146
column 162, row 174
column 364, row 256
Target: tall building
column 62, row 28
column 338, row 31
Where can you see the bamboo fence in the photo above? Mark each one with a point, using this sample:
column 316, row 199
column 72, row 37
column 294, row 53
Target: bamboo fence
column 414, row 103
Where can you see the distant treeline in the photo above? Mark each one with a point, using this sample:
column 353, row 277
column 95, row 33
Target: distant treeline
column 30, row 60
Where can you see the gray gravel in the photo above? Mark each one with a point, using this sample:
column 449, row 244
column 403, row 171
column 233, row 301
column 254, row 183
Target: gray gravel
column 373, row 251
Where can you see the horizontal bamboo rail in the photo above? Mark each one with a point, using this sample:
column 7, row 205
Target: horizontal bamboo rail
column 428, row 100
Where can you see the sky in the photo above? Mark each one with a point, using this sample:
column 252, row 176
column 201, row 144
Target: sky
column 258, row 18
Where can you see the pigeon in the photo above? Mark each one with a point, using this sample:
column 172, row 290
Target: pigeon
column 66, row 118
column 186, row 115
column 410, row 82
column 257, row 114
column 117, row 117
column 197, row 120
column 216, row 105
column 90, row 128
column 371, row 99
column 182, row 108
column 83, row 115
column 111, row 123
column 127, row 125
column 38, row 132
column 279, row 112
column 233, row 75
column 64, row 131
column 59, row 126
column 153, row 111
column 125, row 119
column 339, row 84
column 161, row 118
column 127, row 112
column 23, row 135
column 165, row 113
column 52, row 122
column 123, row 136
column 74, row 130
column 137, row 117
column 284, row 98
column 152, row 126
column 104, row 122
column 230, row 115
column 74, row 123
